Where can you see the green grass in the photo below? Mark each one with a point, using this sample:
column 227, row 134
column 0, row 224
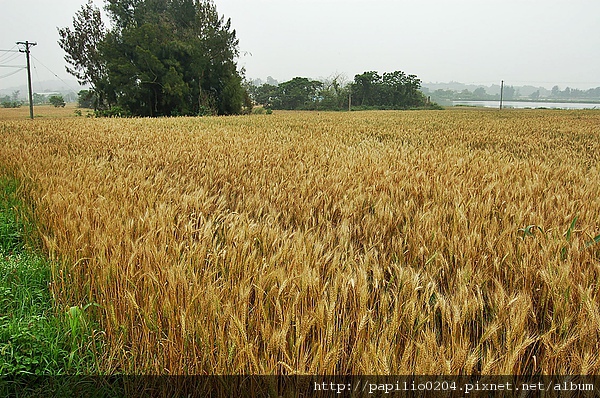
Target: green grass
column 35, row 337
column 11, row 230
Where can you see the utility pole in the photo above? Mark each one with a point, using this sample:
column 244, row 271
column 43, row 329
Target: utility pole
column 349, row 101
column 501, row 92
column 28, row 44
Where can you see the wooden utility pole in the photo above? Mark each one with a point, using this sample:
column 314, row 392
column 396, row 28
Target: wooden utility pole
column 349, row 101
column 28, row 44
column 501, row 93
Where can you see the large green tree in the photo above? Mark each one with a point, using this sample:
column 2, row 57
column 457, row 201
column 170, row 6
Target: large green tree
column 299, row 93
column 160, row 57
column 395, row 90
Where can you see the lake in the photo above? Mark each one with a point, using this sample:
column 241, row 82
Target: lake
column 529, row 104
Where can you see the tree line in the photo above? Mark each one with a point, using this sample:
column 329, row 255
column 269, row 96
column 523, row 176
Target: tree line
column 516, row 93
column 13, row 100
column 369, row 90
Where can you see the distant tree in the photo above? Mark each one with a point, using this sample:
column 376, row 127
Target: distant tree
column 334, row 93
column 11, row 101
column 266, row 95
column 446, row 94
column 272, row 81
column 509, row 93
column 466, row 94
column 593, row 93
column 395, row 90
column 365, row 90
column 8, row 103
column 535, row 95
column 298, row 93
column 577, row 93
column 39, row 99
column 57, row 100
column 479, row 93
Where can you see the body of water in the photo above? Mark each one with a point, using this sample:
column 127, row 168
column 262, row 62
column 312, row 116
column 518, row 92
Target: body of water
column 528, row 104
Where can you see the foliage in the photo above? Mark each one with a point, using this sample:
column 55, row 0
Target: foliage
column 369, row 90
column 395, row 90
column 160, row 58
column 11, row 101
column 265, row 94
column 298, row 93
column 57, row 100
column 115, row 111
column 81, row 45
column 11, row 104
column 302, row 93
column 86, row 99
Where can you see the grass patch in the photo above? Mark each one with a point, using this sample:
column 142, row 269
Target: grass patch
column 35, row 337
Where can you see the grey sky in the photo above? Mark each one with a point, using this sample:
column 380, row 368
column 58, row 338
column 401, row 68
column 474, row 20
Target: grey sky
column 539, row 42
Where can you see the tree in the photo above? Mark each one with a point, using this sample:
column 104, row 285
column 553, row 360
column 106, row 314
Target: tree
column 334, row 93
column 86, row 99
column 7, row 102
column 509, row 92
column 479, row 93
column 163, row 57
column 535, row 95
column 266, row 95
column 555, row 92
column 395, row 90
column 299, row 93
column 57, row 100
column 272, row 81
column 39, row 99
column 172, row 57
column 365, row 90
column 82, row 47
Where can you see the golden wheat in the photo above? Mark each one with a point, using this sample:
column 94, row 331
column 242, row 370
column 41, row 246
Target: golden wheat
column 331, row 243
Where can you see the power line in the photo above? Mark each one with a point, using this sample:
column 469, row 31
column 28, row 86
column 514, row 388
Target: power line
column 11, row 73
column 55, row 75
column 37, row 76
column 8, row 57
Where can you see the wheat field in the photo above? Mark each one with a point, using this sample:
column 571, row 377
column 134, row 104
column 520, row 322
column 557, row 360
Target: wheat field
column 384, row 242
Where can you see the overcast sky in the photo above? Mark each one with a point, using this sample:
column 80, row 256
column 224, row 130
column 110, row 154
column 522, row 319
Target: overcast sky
column 539, row 42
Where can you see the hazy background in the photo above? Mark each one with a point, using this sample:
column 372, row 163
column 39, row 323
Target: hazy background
column 542, row 43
